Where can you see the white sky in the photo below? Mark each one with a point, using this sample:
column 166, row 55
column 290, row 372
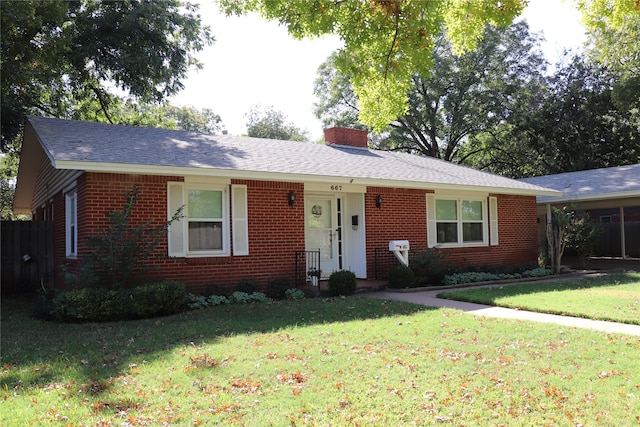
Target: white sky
column 253, row 61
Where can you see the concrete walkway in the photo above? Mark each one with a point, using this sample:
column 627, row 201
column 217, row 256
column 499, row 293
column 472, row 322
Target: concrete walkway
column 429, row 298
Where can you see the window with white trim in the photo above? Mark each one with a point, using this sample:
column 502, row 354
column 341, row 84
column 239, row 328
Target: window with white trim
column 204, row 229
column 457, row 221
column 71, row 224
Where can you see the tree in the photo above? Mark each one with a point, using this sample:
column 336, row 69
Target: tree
column 269, row 123
column 452, row 100
column 194, row 120
column 8, row 171
column 63, row 59
column 385, row 41
column 572, row 124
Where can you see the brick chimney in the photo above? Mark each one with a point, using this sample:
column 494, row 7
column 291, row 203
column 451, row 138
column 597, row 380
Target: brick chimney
column 346, row 136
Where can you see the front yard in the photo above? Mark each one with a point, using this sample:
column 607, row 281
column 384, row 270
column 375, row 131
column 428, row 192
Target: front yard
column 611, row 297
column 338, row 361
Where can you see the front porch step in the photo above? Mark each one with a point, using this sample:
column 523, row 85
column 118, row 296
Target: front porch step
column 323, row 290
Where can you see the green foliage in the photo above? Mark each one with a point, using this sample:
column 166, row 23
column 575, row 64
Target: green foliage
column 429, row 266
column 277, row 288
column 401, row 276
column 8, row 171
column 294, row 294
column 102, row 305
column 342, row 282
column 119, row 255
column 218, row 300
column 247, row 298
column 196, row 302
column 61, row 58
column 385, row 42
column 556, row 235
column 246, row 285
column 214, row 289
column 272, row 124
column 583, row 117
column 449, row 101
column 475, row 276
column 582, row 235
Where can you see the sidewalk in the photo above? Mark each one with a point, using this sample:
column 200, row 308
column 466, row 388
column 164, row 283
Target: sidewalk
column 429, row 298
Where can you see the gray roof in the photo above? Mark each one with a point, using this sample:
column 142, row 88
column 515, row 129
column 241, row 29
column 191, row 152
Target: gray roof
column 103, row 147
column 594, row 184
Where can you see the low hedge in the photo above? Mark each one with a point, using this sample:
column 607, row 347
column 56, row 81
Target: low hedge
column 102, row 305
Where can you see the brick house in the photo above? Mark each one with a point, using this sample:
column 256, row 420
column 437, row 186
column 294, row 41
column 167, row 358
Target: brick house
column 252, row 206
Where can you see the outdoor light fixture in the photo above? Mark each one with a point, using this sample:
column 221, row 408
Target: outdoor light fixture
column 378, row 201
column 291, row 197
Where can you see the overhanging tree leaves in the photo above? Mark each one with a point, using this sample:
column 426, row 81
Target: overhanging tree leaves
column 60, row 58
column 385, row 41
column 458, row 97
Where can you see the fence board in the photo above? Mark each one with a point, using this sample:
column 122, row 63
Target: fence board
column 27, row 255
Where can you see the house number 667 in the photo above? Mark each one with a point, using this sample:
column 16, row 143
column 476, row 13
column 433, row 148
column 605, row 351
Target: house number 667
column 336, row 188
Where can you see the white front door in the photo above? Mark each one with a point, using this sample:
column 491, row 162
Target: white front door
column 323, row 231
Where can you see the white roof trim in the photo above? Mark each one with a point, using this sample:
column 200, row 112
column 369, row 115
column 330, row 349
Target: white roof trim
column 272, row 176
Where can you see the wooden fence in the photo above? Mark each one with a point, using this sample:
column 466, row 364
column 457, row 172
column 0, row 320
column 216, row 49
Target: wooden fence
column 27, row 255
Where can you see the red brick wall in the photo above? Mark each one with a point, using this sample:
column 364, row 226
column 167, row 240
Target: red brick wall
column 518, row 238
column 346, row 136
column 401, row 216
column 276, row 230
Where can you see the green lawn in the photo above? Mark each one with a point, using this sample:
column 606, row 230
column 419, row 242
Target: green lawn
column 611, row 297
column 323, row 362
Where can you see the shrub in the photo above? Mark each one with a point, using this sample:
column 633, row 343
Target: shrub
column 401, row 276
column 429, row 266
column 537, row 272
column 246, row 298
column 277, row 288
column 342, row 283
column 218, row 300
column 214, row 289
column 100, row 304
column 294, row 294
column 247, row 286
column 166, row 297
column 196, row 302
column 118, row 256
column 86, row 305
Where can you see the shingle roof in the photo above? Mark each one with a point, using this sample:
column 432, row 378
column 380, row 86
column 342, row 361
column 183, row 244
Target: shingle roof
column 615, row 182
column 97, row 146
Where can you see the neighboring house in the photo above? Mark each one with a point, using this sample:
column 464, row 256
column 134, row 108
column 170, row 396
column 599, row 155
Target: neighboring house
column 611, row 197
column 254, row 208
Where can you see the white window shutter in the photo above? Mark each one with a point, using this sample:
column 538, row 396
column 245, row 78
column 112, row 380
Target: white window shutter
column 175, row 200
column 493, row 220
column 432, row 232
column 240, row 220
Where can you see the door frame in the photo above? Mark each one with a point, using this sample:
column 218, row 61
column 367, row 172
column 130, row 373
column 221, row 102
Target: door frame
column 335, row 231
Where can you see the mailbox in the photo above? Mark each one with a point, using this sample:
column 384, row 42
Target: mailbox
column 400, row 249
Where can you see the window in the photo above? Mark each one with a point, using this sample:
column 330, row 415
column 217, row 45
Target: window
column 71, row 224
column 453, row 221
column 205, row 220
column 204, row 229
